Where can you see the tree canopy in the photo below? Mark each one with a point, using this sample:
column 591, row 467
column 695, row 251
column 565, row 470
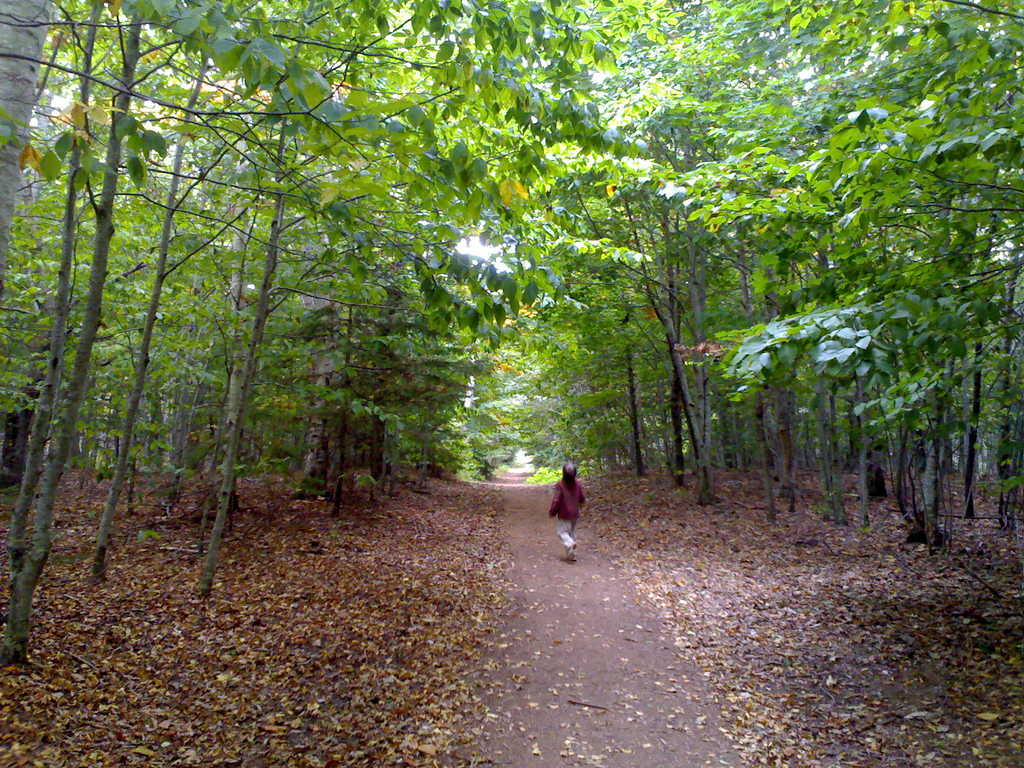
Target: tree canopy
column 772, row 235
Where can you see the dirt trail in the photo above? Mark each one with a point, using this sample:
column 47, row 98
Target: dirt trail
column 583, row 673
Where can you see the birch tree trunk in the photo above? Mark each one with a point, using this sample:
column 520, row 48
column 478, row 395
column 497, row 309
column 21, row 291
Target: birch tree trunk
column 124, row 457
column 238, row 401
column 23, row 25
column 27, row 567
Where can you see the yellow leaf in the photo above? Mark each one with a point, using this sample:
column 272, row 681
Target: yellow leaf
column 78, row 115
column 990, row 716
column 505, row 190
column 509, row 188
column 144, row 751
column 114, row 6
column 610, row 189
column 29, row 157
column 99, row 114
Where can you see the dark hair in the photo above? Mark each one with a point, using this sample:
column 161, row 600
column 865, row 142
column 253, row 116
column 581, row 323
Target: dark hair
column 569, row 473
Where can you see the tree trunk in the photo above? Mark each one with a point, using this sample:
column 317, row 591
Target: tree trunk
column 760, row 427
column 318, row 455
column 219, row 432
column 831, row 482
column 344, row 463
column 972, row 436
column 26, row 570
column 634, row 417
column 930, row 485
column 184, row 420
column 864, row 445
column 23, row 25
column 238, row 404
column 701, row 452
column 15, row 447
column 40, row 431
column 676, row 413
column 124, row 456
column 786, row 403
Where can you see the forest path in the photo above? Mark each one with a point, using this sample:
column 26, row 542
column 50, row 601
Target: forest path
column 584, row 674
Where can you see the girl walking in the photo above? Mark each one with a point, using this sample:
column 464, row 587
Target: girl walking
column 566, row 507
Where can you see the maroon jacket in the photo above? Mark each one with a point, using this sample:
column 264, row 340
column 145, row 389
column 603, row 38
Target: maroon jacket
column 568, row 500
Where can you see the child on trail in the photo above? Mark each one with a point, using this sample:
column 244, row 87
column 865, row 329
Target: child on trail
column 566, row 507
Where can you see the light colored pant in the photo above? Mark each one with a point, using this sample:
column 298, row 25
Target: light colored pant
column 566, row 532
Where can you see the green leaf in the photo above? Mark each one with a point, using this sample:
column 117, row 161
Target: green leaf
column 137, row 171
column 63, row 145
column 415, row 115
column 154, row 142
column 50, row 165
column 445, row 50
column 459, row 153
column 125, row 125
column 530, row 293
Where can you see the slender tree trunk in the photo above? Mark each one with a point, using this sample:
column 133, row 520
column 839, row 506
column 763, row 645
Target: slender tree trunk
column 862, row 459
column 971, row 459
column 786, row 403
column 698, row 289
column 30, row 567
column 238, row 404
column 701, row 456
column 184, row 419
column 930, row 484
column 830, row 481
column 634, row 417
column 23, row 25
column 676, row 414
column 344, row 465
column 705, row 468
column 124, row 457
column 1007, row 376
column 761, row 428
column 219, row 432
column 318, row 456
column 130, row 496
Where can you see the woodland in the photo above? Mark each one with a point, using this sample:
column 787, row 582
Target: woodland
column 273, row 275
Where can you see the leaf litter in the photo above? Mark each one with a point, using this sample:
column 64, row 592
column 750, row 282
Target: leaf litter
column 327, row 641
column 353, row 641
column 831, row 646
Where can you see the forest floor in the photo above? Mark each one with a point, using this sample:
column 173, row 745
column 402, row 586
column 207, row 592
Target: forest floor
column 443, row 629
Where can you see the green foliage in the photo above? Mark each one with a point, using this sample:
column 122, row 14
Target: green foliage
column 545, row 476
